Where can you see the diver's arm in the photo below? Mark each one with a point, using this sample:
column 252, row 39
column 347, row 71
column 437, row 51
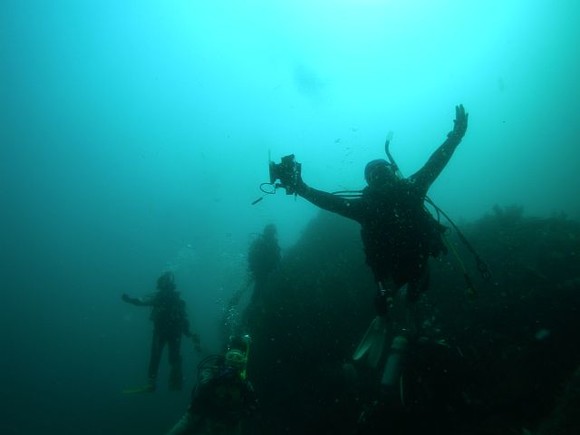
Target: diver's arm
column 140, row 302
column 425, row 176
column 292, row 181
column 349, row 208
column 188, row 424
column 193, row 336
column 186, row 329
column 185, row 326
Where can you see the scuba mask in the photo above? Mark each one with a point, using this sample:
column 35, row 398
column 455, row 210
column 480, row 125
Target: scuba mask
column 236, row 356
column 379, row 170
column 235, row 359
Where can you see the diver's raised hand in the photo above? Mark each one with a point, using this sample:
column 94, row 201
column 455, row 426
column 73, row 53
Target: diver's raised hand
column 289, row 174
column 459, row 123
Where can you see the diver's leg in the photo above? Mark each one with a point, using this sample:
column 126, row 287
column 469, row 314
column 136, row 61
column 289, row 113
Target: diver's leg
column 176, row 375
column 391, row 380
column 373, row 342
column 416, row 286
column 384, row 298
column 157, row 344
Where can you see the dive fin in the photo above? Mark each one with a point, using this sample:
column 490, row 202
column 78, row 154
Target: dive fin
column 140, row 390
column 373, row 342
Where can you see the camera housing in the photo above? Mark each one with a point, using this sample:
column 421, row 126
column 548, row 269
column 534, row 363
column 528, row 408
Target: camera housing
column 287, row 171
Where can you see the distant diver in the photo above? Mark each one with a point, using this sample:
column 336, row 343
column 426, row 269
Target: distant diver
column 170, row 322
column 223, row 398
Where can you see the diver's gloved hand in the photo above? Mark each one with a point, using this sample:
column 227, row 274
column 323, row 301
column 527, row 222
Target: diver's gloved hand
column 286, row 180
column 299, row 185
column 290, row 175
column 459, row 124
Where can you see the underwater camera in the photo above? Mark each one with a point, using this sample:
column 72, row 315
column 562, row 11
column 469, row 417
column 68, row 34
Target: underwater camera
column 287, row 171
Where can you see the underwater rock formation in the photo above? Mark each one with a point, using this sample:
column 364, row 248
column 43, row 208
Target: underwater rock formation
column 491, row 364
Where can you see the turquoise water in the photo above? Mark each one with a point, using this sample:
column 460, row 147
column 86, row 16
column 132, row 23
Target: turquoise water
column 134, row 136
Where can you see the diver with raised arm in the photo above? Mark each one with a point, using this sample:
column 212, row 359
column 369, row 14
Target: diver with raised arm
column 398, row 233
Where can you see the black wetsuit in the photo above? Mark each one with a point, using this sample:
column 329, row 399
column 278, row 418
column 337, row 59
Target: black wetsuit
column 398, row 234
column 170, row 321
column 263, row 257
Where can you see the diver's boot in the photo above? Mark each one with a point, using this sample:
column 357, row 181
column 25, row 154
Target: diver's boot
column 372, row 345
column 391, row 381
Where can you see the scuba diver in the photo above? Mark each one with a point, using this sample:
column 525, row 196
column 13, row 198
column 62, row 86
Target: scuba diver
column 263, row 258
column 223, row 398
column 170, row 322
column 399, row 235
